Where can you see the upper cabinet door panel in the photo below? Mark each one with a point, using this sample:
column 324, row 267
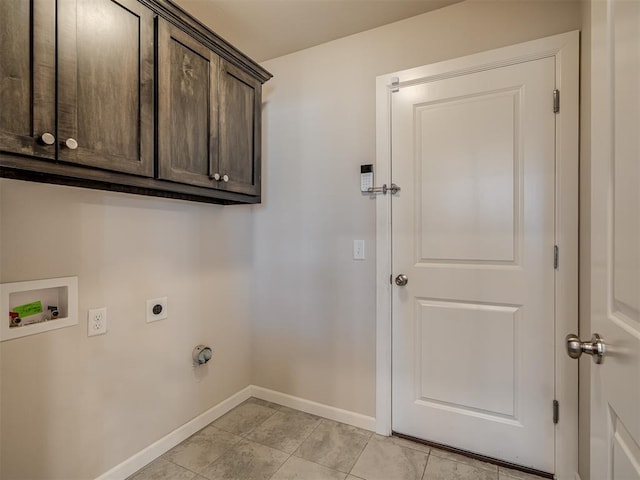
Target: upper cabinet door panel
column 106, row 69
column 240, row 106
column 27, row 77
column 187, row 108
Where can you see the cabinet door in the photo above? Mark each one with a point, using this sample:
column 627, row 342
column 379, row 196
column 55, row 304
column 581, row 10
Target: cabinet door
column 105, row 89
column 27, row 77
column 240, row 128
column 187, row 108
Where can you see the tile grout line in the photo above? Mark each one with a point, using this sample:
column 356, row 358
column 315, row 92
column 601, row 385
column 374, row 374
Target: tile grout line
column 275, row 410
column 424, row 471
column 220, row 456
column 274, row 448
column 280, row 467
column 359, row 455
column 291, row 454
column 369, row 436
column 322, row 419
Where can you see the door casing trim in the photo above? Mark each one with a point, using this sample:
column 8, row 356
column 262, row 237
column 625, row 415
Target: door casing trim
column 564, row 48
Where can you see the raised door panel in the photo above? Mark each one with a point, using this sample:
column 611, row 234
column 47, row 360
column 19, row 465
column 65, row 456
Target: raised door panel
column 106, row 68
column 187, row 109
column 240, row 103
column 27, row 77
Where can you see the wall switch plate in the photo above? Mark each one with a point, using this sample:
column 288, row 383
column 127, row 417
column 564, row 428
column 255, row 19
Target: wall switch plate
column 97, row 322
column 358, row 249
column 157, row 309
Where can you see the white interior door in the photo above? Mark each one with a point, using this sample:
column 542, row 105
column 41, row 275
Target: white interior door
column 473, row 229
column 615, row 239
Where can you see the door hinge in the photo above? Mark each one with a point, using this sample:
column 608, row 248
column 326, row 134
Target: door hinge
column 556, row 101
column 556, row 411
column 395, row 81
column 556, row 256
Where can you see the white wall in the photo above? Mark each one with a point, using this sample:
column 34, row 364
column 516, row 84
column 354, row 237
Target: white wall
column 314, row 307
column 72, row 407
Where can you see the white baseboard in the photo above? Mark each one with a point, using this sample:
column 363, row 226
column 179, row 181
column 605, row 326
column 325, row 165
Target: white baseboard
column 166, row 443
column 322, row 410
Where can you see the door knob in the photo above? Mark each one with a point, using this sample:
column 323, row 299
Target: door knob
column 215, row 176
column 594, row 347
column 402, row 280
column 225, row 178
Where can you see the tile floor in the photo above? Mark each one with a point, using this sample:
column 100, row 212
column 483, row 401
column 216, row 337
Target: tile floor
column 259, row 440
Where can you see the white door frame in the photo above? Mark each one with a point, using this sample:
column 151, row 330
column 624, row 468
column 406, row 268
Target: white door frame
column 564, row 48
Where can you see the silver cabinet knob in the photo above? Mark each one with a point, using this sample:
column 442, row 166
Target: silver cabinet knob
column 47, row 138
column 594, row 347
column 402, row 280
column 215, row 176
column 225, row 178
column 71, row 143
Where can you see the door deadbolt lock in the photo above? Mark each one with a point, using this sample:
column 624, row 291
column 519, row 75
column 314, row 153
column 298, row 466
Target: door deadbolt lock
column 594, row 347
column 402, row 280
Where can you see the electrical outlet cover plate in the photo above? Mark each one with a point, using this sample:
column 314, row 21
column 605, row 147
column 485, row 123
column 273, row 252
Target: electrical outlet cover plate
column 97, row 322
column 158, row 305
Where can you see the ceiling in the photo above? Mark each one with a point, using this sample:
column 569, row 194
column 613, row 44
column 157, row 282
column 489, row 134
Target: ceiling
column 265, row 29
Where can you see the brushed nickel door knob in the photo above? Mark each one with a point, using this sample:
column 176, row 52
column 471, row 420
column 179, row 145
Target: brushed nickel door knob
column 402, row 280
column 594, row 347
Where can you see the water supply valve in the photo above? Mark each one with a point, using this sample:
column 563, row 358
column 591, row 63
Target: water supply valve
column 201, row 355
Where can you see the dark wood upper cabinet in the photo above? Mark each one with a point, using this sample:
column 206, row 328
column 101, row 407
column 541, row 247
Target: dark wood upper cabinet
column 208, row 117
column 105, row 84
column 240, row 128
column 187, row 108
column 27, row 77
column 79, row 105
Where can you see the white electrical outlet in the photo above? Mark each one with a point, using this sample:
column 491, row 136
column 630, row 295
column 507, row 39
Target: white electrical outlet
column 97, row 322
column 157, row 309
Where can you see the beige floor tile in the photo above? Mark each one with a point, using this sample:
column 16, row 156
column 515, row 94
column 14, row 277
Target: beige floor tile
column 382, row 459
column 509, row 474
column 463, row 459
column 299, row 469
column 246, row 461
column 244, row 418
column 334, row 445
column 161, row 469
column 264, row 403
column 421, row 447
column 285, row 430
column 443, row 469
column 201, row 449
